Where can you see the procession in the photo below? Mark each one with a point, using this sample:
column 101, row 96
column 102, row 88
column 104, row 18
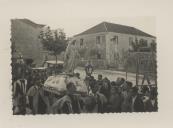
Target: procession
column 57, row 87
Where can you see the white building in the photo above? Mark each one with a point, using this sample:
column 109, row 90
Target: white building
column 106, row 42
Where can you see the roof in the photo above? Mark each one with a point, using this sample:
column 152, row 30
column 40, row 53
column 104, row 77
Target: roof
column 54, row 62
column 39, row 68
column 29, row 22
column 111, row 27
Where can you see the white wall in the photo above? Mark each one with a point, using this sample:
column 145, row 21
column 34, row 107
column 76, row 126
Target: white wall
column 90, row 42
column 123, row 42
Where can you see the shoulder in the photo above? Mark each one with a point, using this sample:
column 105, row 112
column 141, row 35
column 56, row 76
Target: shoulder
column 60, row 102
column 139, row 99
column 66, row 98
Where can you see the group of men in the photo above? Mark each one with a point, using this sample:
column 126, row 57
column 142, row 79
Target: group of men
column 103, row 96
column 122, row 96
column 25, row 87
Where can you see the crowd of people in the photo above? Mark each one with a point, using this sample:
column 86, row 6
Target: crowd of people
column 123, row 96
column 30, row 97
column 104, row 96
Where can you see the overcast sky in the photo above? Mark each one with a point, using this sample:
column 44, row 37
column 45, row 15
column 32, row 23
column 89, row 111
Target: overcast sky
column 75, row 16
column 73, row 26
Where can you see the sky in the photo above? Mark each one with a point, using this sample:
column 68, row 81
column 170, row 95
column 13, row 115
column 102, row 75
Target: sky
column 75, row 16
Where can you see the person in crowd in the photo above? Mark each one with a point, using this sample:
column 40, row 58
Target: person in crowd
column 89, row 68
column 151, row 104
column 114, row 101
column 137, row 104
column 105, row 88
column 19, row 101
column 92, row 82
column 146, row 77
column 100, row 80
column 37, row 102
column 29, row 80
column 69, row 103
column 120, row 81
column 87, row 81
column 90, row 104
column 129, row 84
column 125, row 98
column 101, row 100
column 32, row 96
column 145, row 90
column 45, row 75
column 115, row 84
column 19, row 95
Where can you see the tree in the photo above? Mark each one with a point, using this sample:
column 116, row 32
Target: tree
column 54, row 42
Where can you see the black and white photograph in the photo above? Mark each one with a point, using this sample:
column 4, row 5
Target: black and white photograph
column 86, row 63
column 107, row 68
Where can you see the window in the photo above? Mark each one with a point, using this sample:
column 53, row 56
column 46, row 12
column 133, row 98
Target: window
column 143, row 43
column 98, row 55
column 115, row 39
column 103, row 39
column 130, row 41
column 81, row 42
column 73, row 42
column 153, row 45
column 146, row 42
column 98, row 41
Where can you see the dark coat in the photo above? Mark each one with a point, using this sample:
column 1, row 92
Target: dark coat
column 138, row 104
column 114, row 103
column 151, row 108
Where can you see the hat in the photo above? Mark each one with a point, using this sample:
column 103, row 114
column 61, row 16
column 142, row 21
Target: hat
column 120, row 80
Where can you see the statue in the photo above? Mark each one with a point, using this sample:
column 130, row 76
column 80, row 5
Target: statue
column 71, row 58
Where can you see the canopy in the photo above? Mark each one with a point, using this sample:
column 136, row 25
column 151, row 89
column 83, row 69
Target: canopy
column 39, row 68
column 57, row 84
column 54, row 62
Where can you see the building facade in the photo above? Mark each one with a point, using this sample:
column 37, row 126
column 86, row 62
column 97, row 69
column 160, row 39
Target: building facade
column 106, row 43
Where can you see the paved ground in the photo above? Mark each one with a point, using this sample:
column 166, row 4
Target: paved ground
column 113, row 75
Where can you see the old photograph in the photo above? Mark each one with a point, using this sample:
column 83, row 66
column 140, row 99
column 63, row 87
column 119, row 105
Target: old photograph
column 103, row 67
